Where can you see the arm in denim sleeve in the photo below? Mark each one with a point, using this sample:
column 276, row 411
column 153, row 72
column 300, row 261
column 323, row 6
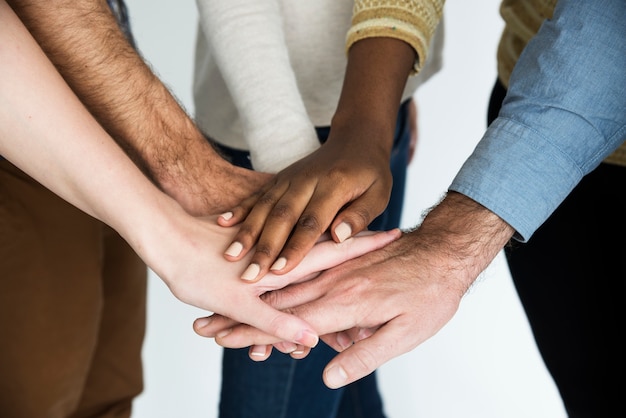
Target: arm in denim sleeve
column 565, row 111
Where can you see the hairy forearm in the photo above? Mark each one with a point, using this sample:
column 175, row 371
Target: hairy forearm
column 464, row 235
column 57, row 142
column 84, row 42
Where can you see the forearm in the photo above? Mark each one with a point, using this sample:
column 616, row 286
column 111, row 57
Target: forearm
column 97, row 61
column 463, row 237
column 46, row 131
column 375, row 77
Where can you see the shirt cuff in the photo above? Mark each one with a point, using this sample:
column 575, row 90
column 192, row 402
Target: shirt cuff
column 518, row 175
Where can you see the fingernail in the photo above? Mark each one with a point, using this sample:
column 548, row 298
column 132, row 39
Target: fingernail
column 234, row 250
column 202, row 322
column 279, row 264
column 307, row 338
column 287, row 347
column 251, row 272
column 343, row 231
column 343, row 340
column 224, row 332
column 258, row 351
column 336, row 377
column 299, row 350
column 364, row 333
column 226, row 215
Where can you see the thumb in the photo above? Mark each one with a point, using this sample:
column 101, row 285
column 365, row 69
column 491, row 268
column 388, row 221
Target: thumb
column 360, row 359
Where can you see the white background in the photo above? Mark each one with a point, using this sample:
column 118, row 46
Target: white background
column 483, row 363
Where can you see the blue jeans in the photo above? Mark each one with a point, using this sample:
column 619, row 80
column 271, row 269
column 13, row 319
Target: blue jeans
column 282, row 387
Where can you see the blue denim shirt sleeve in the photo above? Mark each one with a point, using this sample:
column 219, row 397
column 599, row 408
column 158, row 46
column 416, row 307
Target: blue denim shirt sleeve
column 565, row 111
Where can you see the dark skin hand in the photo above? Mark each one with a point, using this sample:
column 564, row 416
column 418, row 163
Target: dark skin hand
column 343, row 185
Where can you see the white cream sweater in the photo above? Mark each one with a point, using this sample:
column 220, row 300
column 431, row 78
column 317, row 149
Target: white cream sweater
column 268, row 71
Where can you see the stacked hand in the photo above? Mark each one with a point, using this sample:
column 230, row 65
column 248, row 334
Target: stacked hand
column 340, row 188
column 206, row 280
column 386, row 302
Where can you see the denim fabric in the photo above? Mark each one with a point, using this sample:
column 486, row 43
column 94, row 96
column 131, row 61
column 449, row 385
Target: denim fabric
column 565, row 111
column 281, row 387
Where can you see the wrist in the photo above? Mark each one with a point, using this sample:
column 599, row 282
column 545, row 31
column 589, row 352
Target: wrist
column 467, row 235
column 277, row 144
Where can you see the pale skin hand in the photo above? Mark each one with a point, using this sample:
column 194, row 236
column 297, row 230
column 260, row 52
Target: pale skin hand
column 134, row 106
column 184, row 267
column 387, row 302
column 342, row 186
column 47, row 132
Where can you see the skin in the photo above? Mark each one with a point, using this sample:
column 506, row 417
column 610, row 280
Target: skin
column 387, row 302
column 342, row 186
column 132, row 104
column 46, row 131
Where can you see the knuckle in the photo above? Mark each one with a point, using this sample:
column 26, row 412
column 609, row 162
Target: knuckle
column 310, row 223
column 282, row 212
column 271, row 298
column 365, row 361
column 279, row 324
column 267, row 199
column 247, row 231
column 265, row 249
column 337, row 174
column 361, row 216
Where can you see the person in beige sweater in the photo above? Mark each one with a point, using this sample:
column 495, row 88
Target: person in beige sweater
column 320, row 92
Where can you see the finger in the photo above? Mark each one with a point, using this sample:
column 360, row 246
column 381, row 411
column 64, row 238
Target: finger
column 331, row 340
column 239, row 212
column 358, row 215
column 305, row 305
column 338, row 341
column 243, row 335
column 301, row 352
column 327, row 254
column 251, row 227
column 213, row 325
column 365, row 356
column 363, row 333
column 284, row 326
column 260, row 352
column 314, row 221
column 285, row 347
column 278, row 225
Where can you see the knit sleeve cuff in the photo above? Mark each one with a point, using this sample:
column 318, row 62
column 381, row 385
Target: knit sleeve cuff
column 411, row 21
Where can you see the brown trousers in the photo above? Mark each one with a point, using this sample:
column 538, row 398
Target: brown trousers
column 72, row 308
